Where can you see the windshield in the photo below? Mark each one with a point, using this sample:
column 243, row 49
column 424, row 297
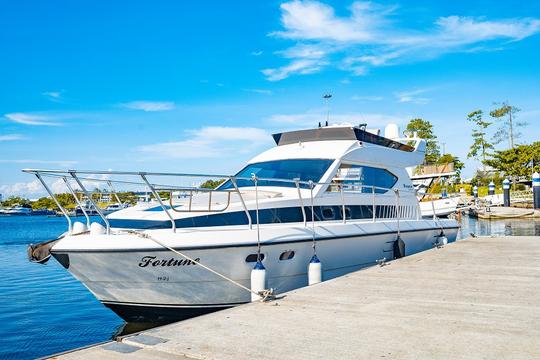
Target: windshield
column 302, row 169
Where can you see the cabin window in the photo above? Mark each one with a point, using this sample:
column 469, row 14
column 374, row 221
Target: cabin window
column 361, row 178
column 286, row 255
column 251, row 258
column 328, row 213
column 347, row 212
column 290, row 169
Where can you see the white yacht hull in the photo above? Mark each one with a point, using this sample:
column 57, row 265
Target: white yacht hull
column 443, row 207
column 154, row 284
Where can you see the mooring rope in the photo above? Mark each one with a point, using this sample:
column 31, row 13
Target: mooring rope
column 264, row 295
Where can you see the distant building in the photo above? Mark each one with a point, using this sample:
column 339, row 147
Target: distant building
column 142, row 196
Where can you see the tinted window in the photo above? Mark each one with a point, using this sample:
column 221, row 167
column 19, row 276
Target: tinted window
column 253, row 258
column 360, row 178
column 286, row 255
column 302, row 169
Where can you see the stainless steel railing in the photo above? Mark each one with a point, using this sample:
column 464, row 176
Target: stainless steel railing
column 81, row 175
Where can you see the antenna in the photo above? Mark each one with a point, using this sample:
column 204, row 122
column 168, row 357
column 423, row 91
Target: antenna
column 326, row 98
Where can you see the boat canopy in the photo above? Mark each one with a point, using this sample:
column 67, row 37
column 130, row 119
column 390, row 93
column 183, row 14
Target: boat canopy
column 329, row 133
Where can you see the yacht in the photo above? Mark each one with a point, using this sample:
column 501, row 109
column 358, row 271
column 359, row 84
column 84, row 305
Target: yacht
column 114, row 207
column 430, row 206
column 86, row 206
column 339, row 194
column 17, row 210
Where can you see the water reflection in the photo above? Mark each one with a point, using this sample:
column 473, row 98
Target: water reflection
column 517, row 227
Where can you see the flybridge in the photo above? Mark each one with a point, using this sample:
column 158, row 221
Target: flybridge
column 338, row 133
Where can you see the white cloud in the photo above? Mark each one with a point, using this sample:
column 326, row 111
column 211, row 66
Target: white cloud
column 55, row 96
column 312, row 20
column 34, row 188
column 33, row 119
column 257, row 53
column 22, row 188
column 149, row 106
column 11, row 137
column 210, row 142
column 302, row 66
column 369, row 37
column 411, row 96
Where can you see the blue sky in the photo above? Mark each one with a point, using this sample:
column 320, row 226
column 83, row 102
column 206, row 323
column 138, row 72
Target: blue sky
column 199, row 86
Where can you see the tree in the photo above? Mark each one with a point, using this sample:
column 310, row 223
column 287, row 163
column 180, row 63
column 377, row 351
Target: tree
column 424, row 130
column 480, row 145
column 44, row 203
column 16, row 200
column 211, row 184
column 505, row 114
column 449, row 158
column 522, row 160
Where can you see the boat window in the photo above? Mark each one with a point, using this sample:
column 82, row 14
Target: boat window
column 251, row 258
column 286, row 255
column 360, row 178
column 302, row 169
column 328, row 213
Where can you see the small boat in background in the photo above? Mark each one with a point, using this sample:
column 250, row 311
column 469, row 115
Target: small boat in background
column 114, row 207
column 16, row 210
column 43, row 212
column 444, row 204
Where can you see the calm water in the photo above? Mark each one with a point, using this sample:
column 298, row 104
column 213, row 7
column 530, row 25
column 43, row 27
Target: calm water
column 43, row 310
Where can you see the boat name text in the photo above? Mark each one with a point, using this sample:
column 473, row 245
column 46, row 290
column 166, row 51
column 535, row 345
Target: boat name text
column 153, row 261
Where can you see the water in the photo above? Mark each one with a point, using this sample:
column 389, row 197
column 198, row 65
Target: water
column 44, row 310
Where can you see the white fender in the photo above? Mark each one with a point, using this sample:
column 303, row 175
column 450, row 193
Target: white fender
column 258, row 280
column 314, row 271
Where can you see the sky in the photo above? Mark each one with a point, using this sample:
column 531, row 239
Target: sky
column 199, row 86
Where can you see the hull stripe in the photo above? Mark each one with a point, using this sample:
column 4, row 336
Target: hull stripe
column 63, row 251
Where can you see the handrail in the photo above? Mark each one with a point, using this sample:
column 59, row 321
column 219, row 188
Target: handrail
column 77, row 201
column 344, row 215
column 66, row 215
column 233, row 181
column 109, row 182
column 301, row 203
column 154, row 188
column 58, row 173
column 209, row 203
column 158, row 198
column 89, row 196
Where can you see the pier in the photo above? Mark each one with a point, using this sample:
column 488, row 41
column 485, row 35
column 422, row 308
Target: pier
column 476, row 298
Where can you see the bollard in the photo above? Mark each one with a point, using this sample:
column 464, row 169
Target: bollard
column 506, row 192
column 536, row 189
column 491, row 188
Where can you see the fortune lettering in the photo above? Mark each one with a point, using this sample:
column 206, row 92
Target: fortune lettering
column 154, row 261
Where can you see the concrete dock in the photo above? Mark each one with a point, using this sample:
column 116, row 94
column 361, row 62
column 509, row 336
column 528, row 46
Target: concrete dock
column 474, row 299
column 501, row 212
